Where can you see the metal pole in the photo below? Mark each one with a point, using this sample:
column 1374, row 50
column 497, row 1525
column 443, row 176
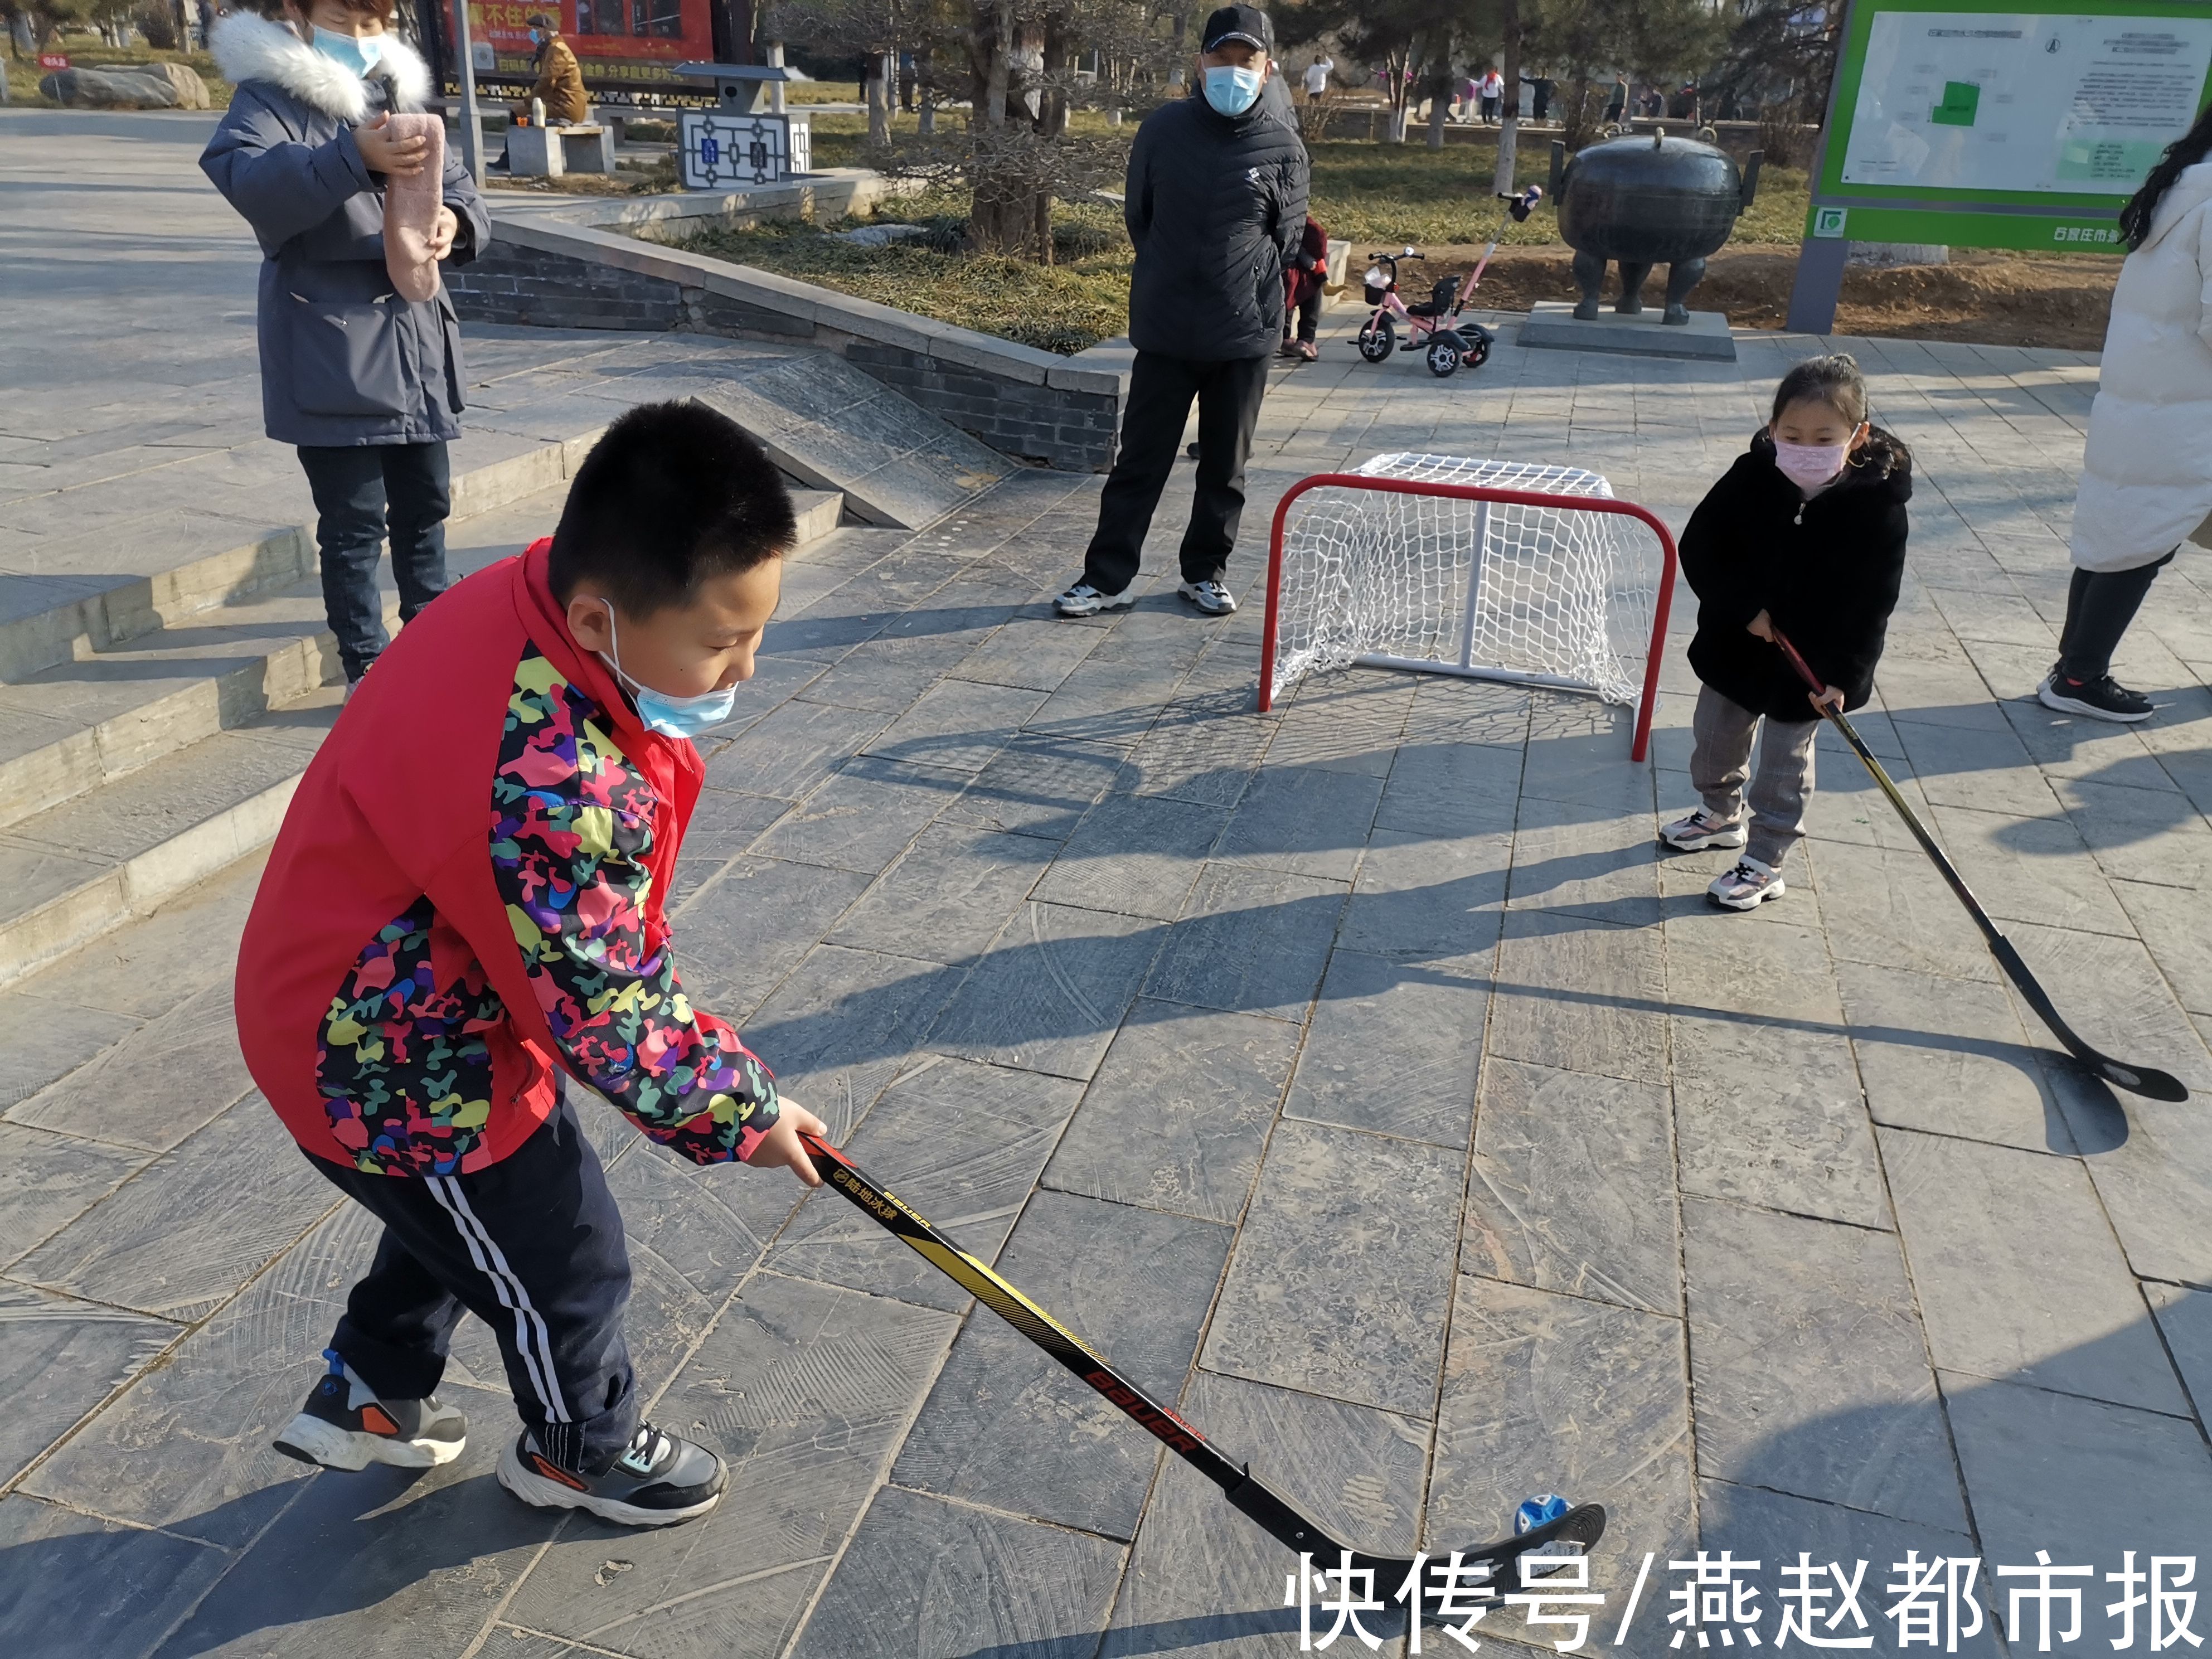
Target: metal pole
column 1468, row 623
column 472, row 121
column 1818, row 283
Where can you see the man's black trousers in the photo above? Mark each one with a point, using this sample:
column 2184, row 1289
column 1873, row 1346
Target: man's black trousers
column 1160, row 391
column 533, row 1247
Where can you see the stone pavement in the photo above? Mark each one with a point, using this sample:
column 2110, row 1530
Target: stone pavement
column 1357, row 1076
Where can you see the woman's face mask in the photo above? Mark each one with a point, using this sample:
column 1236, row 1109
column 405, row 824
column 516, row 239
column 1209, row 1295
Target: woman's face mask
column 1232, row 90
column 358, row 52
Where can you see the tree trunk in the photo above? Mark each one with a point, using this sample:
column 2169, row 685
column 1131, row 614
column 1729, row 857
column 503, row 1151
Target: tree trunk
column 1052, row 107
column 999, row 218
column 880, row 89
column 925, row 75
column 1508, row 113
column 1575, row 119
column 1439, row 106
column 1180, row 74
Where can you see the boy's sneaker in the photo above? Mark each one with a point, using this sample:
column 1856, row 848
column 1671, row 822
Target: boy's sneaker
column 1085, row 600
column 1702, row 829
column 661, row 1479
column 343, row 1425
column 1209, row 596
column 2102, row 700
column 1747, row 886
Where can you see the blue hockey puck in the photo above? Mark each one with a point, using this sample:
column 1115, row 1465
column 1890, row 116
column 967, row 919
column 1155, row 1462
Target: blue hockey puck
column 1538, row 1511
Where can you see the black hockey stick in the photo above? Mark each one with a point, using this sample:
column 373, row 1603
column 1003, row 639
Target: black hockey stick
column 2139, row 1079
column 1581, row 1525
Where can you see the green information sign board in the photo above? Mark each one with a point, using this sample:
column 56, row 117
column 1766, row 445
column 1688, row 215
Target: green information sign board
column 1995, row 123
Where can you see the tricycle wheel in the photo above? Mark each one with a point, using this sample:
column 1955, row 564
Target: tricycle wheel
column 1444, row 355
column 1474, row 345
column 1377, row 341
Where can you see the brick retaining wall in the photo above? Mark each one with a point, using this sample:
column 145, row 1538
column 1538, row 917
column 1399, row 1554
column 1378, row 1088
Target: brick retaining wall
column 1024, row 403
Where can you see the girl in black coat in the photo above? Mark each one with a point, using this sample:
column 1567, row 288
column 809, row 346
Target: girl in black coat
column 1804, row 537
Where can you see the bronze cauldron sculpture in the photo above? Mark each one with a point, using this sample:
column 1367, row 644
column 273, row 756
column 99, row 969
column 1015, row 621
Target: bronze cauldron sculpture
column 1645, row 201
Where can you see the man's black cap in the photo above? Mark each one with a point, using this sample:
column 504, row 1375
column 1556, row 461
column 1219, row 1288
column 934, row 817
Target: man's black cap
column 1246, row 23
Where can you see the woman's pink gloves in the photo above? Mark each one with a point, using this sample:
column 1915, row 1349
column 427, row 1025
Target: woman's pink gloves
column 411, row 205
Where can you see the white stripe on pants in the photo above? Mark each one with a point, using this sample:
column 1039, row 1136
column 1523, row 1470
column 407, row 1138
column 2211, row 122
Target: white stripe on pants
column 531, row 1339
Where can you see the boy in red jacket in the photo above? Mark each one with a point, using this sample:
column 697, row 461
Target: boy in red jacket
column 464, row 907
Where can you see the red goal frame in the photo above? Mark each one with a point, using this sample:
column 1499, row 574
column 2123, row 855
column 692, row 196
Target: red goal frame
column 1663, row 601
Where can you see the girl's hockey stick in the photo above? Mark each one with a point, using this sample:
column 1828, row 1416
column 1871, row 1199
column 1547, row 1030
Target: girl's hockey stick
column 2139, row 1079
column 1582, row 1525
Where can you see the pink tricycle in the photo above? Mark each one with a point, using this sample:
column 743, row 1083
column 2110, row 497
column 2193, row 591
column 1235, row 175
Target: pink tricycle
column 1436, row 321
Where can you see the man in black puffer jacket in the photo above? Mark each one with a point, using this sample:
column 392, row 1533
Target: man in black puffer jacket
column 1217, row 201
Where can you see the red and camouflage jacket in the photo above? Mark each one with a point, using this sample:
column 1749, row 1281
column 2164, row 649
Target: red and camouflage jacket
column 466, row 895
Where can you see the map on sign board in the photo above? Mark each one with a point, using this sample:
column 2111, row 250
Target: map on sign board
column 2019, row 102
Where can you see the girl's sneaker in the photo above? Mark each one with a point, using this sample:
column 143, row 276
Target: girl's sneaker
column 660, row 1480
column 1747, row 886
column 2101, row 700
column 343, row 1425
column 1702, row 829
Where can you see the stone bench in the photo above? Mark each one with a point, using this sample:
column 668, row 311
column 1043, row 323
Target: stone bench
column 548, row 152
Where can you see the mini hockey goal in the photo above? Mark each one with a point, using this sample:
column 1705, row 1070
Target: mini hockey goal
column 1503, row 570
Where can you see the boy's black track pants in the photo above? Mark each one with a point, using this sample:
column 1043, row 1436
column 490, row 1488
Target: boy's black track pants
column 533, row 1247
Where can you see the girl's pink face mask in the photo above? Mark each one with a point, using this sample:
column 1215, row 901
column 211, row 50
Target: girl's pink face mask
column 1810, row 465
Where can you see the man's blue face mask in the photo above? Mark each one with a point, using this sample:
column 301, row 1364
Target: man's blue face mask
column 1232, row 90
column 358, row 52
column 672, row 717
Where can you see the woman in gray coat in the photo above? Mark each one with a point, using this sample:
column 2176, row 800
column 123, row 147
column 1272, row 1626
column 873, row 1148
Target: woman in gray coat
column 366, row 384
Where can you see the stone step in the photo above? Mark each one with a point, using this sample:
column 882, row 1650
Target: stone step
column 209, row 764
column 81, row 724
column 205, row 537
column 87, row 865
column 128, row 578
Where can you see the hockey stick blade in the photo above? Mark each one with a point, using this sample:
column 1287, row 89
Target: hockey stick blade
column 2146, row 1080
column 1582, row 1526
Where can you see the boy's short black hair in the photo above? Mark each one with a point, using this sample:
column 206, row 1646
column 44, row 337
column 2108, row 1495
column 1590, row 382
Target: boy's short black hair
column 671, row 494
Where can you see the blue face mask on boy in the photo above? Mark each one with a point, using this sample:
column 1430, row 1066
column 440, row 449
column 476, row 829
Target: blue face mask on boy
column 358, row 52
column 672, row 717
column 1232, row 90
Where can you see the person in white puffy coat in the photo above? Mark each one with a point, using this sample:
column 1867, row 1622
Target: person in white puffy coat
column 2147, row 477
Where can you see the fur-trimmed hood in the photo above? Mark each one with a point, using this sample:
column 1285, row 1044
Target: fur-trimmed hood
column 247, row 47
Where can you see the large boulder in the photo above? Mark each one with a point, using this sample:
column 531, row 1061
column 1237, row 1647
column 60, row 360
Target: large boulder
column 126, row 86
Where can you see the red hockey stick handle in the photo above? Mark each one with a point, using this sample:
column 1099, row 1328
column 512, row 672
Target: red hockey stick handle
column 1804, row 672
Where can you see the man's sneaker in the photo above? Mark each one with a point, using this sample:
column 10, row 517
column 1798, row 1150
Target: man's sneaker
column 661, row 1479
column 1209, row 596
column 1747, row 886
column 343, row 1425
column 1702, row 829
column 1085, row 600
column 2101, row 700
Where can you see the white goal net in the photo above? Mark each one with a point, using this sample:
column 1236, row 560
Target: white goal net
column 1399, row 575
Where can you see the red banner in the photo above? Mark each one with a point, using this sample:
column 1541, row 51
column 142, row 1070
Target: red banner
column 613, row 40
column 53, row 60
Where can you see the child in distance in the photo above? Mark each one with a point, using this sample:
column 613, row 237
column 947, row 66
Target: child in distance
column 1805, row 535
column 463, row 908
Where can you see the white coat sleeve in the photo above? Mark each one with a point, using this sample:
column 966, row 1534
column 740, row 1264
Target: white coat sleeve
column 2204, row 275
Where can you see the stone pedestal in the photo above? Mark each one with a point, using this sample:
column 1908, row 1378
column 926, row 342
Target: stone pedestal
column 1552, row 323
column 550, row 152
